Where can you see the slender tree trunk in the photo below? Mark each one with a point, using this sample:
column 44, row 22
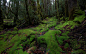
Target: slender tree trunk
column 49, row 7
column 42, row 10
column 17, row 9
column 45, row 7
column 53, row 5
column 56, row 8
column 27, row 13
column 1, row 19
column 4, row 5
column 38, row 10
column 66, row 8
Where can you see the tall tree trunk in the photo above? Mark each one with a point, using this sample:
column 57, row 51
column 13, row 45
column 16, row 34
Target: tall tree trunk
column 38, row 10
column 4, row 5
column 53, row 5
column 66, row 8
column 0, row 14
column 71, row 7
column 49, row 7
column 27, row 13
column 42, row 10
column 45, row 7
column 16, row 13
column 1, row 19
column 56, row 8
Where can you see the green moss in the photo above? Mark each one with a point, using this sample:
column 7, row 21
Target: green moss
column 65, row 33
column 79, row 18
column 15, row 28
column 60, row 42
column 12, row 50
column 79, row 51
column 32, row 44
column 20, row 52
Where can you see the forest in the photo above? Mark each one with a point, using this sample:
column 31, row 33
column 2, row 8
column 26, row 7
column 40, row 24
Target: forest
column 42, row 26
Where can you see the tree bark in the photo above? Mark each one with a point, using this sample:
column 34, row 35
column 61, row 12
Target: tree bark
column 56, row 8
column 66, row 8
column 38, row 10
column 16, row 13
column 1, row 19
column 27, row 13
column 71, row 7
column 42, row 10
column 45, row 7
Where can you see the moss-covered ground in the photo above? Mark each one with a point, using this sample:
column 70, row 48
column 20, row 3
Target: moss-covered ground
column 51, row 37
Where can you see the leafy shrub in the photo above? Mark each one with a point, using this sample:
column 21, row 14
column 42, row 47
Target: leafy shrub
column 60, row 42
column 79, row 12
column 66, row 45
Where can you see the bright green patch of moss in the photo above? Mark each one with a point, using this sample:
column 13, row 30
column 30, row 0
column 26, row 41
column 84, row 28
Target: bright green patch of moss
column 27, row 31
column 79, row 18
column 50, row 40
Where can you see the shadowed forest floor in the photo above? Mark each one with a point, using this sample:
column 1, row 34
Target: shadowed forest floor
column 52, row 37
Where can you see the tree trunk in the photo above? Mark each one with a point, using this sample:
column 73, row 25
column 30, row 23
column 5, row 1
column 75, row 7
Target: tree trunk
column 38, row 10
column 27, row 13
column 56, row 8
column 1, row 19
column 16, row 13
column 49, row 7
column 42, row 10
column 45, row 7
column 66, row 8
column 71, row 7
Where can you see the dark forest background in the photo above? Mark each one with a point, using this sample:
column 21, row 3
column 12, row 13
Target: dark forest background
column 31, row 12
